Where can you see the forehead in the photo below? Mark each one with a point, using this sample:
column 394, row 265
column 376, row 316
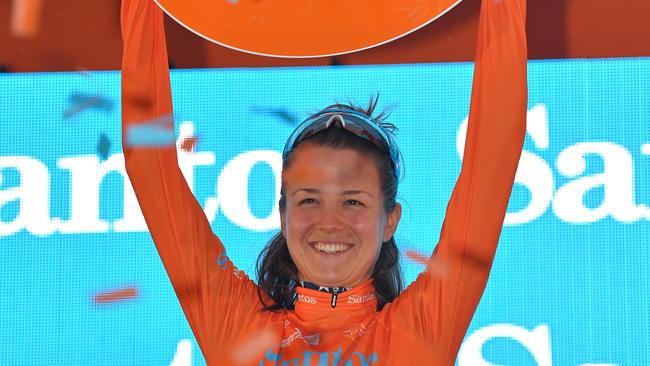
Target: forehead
column 317, row 165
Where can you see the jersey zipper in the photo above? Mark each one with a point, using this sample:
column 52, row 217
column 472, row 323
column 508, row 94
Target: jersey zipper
column 335, row 293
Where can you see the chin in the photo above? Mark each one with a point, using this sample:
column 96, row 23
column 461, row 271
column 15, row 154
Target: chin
column 336, row 280
column 330, row 282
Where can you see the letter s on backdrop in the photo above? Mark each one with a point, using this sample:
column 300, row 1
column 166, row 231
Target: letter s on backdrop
column 536, row 341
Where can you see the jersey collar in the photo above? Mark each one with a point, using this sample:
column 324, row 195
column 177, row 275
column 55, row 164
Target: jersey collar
column 358, row 298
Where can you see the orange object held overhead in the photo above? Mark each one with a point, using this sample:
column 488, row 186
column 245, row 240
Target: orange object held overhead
column 426, row 324
column 305, row 28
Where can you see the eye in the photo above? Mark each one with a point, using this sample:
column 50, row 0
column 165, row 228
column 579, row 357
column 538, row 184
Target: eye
column 353, row 203
column 307, row 201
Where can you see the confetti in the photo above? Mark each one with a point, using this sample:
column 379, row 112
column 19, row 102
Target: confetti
column 158, row 132
column 81, row 102
column 416, row 257
column 96, row 101
column 189, row 143
column 116, row 295
column 254, row 347
column 281, row 113
column 103, row 147
column 433, row 264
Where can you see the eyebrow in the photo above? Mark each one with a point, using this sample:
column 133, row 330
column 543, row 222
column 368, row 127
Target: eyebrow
column 314, row 191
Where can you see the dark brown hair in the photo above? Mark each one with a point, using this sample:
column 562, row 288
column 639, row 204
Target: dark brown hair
column 276, row 271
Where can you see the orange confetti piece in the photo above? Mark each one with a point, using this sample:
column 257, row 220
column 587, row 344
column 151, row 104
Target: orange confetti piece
column 416, row 257
column 189, row 143
column 116, row 295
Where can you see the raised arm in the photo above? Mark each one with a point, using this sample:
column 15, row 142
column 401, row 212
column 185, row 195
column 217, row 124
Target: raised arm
column 495, row 137
column 204, row 280
column 460, row 266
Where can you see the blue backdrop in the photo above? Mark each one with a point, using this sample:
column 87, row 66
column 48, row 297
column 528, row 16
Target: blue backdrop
column 569, row 286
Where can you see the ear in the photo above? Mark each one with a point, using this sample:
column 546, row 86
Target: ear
column 391, row 222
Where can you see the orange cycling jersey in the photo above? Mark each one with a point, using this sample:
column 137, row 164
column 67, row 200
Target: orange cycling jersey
column 426, row 324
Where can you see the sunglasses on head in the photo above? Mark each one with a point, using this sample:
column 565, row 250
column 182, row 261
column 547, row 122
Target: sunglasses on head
column 352, row 121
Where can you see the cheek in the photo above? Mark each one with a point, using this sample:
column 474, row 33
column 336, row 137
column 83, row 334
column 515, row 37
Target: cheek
column 298, row 223
column 361, row 223
column 368, row 226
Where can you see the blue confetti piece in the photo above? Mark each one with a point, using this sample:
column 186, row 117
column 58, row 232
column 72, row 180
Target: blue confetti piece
column 103, row 146
column 81, row 102
column 153, row 134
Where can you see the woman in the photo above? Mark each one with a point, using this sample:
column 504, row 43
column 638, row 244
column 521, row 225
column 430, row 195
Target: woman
column 329, row 288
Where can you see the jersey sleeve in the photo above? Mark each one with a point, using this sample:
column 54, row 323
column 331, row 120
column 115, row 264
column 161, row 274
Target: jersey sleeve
column 440, row 304
column 217, row 299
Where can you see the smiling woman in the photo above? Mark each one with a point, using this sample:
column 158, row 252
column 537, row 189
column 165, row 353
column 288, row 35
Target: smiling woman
column 338, row 209
column 329, row 291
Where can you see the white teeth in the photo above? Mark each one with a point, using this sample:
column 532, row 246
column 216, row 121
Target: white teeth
column 332, row 248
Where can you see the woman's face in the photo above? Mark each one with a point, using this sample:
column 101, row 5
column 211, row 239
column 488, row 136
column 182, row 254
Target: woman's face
column 334, row 221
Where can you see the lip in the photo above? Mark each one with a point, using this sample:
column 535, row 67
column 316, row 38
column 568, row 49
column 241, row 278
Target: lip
column 312, row 244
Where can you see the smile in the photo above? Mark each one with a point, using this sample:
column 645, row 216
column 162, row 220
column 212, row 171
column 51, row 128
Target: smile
column 331, row 248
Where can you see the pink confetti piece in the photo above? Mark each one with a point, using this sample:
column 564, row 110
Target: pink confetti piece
column 254, row 347
column 434, row 265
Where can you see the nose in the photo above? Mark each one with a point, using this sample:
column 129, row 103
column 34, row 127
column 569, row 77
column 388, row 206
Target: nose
column 329, row 220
